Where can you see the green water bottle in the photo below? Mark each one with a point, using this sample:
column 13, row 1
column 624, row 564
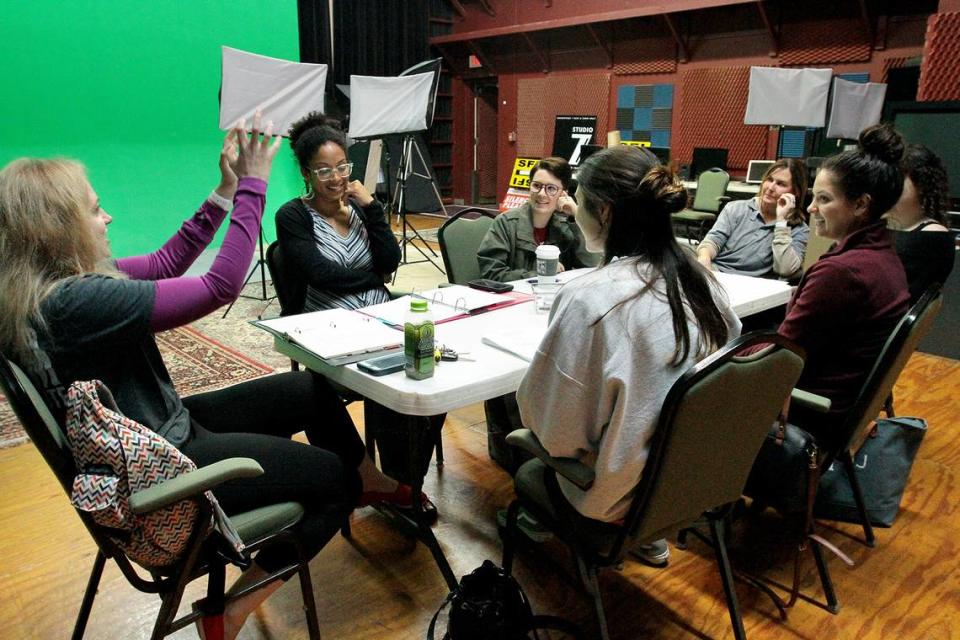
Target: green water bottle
column 418, row 340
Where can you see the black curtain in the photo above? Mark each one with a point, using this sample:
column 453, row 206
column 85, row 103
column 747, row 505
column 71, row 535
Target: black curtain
column 314, row 28
column 379, row 37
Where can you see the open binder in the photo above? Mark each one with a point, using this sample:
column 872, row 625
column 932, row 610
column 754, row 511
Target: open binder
column 446, row 304
column 336, row 336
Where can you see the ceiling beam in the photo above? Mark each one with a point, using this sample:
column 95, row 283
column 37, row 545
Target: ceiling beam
column 458, row 8
column 771, row 30
column 488, row 8
column 607, row 48
column 652, row 9
column 544, row 61
column 481, row 56
column 681, row 44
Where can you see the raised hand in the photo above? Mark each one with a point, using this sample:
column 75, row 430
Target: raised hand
column 567, row 204
column 228, row 162
column 785, row 204
column 256, row 152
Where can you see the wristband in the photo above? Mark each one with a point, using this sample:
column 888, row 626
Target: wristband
column 218, row 200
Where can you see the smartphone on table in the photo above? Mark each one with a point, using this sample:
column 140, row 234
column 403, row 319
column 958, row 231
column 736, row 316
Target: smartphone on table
column 383, row 365
column 493, row 286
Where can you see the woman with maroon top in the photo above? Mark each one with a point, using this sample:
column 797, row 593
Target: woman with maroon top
column 849, row 301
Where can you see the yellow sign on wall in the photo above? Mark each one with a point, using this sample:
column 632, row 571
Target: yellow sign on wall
column 636, row 143
column 520, row 178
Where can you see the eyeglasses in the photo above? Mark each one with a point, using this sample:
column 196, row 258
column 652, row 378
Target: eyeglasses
column 327, row 173
column 551, row 189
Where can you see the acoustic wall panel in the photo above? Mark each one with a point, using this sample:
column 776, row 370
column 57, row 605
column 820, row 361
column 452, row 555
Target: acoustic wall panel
column 645, row 113
column 710, row 106
column 818, row 43
column 940, row 69
column 646, row 55
column 540, row 100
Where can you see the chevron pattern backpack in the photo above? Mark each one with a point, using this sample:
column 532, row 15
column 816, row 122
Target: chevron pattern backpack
column 117, row 456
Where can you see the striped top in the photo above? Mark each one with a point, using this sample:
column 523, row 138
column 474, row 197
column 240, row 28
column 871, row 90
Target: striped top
column 351, row 252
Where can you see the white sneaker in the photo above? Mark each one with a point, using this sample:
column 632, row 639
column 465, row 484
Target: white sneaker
column 656, row 554
column 529, row 525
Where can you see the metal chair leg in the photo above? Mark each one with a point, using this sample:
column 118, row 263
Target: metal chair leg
column 593, row 586
column 88, row 595
column 309, row 603
column 509, row 536
column 718, row 532
column 833, row 605
column 848, row 464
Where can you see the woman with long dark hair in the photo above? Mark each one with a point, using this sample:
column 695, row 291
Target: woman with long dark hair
column 849, row 301
column 619, row 337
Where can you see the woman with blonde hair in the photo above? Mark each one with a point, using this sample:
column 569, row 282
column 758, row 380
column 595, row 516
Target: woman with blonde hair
column 68, row 312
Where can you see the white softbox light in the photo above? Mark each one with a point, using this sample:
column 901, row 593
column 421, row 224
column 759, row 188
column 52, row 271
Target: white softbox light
column 855, row 106
column 382, row 106
column 285, row 90
column 788, row 97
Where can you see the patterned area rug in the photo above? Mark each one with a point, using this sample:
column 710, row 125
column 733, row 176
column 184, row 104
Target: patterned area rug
column 196, row 363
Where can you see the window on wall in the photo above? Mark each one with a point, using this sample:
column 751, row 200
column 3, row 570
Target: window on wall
column 645, row 113
column 801, row 142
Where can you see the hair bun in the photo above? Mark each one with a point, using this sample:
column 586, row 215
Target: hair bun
column 662, row 185
column 309, row 121
column 882, row 142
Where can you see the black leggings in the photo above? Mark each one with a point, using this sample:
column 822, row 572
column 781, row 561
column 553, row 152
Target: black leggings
column 255, row 419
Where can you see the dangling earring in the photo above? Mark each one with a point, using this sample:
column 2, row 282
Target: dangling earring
column 308, row 191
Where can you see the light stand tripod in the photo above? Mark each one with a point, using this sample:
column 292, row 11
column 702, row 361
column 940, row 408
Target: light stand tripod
column 405, row 170
column 260, row 264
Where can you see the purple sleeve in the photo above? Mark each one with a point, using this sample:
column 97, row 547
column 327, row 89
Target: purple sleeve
column 175, row 257
column 185, row 299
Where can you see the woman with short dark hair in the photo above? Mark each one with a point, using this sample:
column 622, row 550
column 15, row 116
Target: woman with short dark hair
column 508, row 251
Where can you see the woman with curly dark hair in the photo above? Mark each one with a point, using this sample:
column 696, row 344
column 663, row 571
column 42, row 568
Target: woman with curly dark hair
column 926, row 257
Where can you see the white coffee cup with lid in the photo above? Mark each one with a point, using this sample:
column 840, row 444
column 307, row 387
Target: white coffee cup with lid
column 548, row 258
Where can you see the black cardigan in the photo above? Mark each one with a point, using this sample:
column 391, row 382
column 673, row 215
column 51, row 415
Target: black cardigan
column 299, row 245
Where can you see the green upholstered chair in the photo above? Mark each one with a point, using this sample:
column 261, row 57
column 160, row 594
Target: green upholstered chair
column 459, row 238
column 707, row 203
column 700, row 454
column 267, row 525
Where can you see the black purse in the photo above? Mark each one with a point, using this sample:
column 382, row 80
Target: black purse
column 489, row 604
column 784, row 474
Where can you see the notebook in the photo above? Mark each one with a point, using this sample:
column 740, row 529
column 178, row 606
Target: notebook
column 336, row 336
column 519, row 340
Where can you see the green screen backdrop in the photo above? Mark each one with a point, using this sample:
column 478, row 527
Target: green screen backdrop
column 131, row 90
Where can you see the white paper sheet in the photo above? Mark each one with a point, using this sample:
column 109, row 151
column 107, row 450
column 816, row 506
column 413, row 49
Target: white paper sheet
column 381, row 106
column 855, row 106
column 338, row 336
column 788, row 97
column 285, row 90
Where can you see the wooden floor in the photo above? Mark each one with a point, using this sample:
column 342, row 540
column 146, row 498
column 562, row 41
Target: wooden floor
column 381, row 586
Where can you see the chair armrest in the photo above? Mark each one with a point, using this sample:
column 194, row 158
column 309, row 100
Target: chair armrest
column 193, row 483
column 810, row 401
column 573, row 470
column 398, row 293
column 446, row 284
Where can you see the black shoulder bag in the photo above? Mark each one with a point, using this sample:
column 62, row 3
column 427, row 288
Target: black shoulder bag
column 488, row 604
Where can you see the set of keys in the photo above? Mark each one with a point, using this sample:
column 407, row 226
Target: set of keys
column 446, row 354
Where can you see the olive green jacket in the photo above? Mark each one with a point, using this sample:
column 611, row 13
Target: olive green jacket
column 508, row 252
